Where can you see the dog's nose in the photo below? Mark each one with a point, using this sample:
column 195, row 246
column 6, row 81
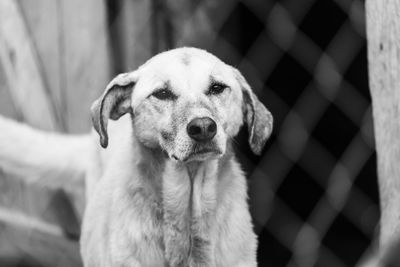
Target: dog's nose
column 202, row 129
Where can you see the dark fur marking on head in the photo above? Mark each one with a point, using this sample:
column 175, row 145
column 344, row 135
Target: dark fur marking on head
column 186, row 58
column 167, row 136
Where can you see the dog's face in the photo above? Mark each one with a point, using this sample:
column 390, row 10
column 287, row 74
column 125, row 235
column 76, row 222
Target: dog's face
column 187, row 102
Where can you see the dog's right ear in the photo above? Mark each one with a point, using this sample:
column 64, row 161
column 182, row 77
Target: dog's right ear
column 115, row 102
column 257, row 117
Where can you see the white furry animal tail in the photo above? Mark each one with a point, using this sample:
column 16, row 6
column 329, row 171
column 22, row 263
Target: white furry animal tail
column 37, row 154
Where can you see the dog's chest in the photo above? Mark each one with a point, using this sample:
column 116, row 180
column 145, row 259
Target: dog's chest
column 189, row 202
column 176, row 229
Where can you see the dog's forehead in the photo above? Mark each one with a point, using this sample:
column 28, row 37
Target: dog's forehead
column 185, row 56
column 186, row 63
column 188, row 71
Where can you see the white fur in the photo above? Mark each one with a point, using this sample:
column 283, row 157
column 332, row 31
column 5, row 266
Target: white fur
column 38, row 155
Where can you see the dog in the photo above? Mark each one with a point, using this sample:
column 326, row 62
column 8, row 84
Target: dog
column 164, row 188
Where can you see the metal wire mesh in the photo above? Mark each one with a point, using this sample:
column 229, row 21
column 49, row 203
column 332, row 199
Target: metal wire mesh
column 313, row 192
column 315, row 169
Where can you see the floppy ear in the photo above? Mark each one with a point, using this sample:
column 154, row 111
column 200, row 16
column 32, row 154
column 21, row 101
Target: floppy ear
column 257, row 117
column 115, row 102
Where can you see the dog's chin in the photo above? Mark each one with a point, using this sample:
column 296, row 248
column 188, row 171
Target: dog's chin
column 203, row 155
column 198, row 155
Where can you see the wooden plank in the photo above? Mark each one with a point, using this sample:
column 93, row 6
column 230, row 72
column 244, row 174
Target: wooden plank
column 73, row 45
column 35, row 243
column 134, row 26
column 59, row 203
column 383, row 28
column 43, row 22
column 383, row 36
column 21, row 67
column 197, row 23
column 86, row 57
column 7, row 107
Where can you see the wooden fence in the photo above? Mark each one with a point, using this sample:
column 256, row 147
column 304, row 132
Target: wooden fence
column 54, row 60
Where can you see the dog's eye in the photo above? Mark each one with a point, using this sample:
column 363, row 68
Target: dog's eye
column 164, row 94
column 216, row 89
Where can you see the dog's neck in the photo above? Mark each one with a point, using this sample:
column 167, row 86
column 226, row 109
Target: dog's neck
column 188, row 199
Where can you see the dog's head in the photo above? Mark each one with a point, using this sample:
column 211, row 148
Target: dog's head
column 187, row 102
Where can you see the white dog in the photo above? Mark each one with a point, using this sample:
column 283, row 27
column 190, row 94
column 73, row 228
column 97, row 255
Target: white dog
column 167, row 190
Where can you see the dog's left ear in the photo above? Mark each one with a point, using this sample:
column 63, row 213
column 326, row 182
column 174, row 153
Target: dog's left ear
column 257, row 117
column 115, row 102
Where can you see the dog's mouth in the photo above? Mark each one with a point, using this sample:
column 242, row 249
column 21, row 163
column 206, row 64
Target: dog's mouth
column 203, row 155
column 200, row 154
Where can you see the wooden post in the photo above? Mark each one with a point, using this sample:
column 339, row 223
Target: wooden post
column 72, row 48
column 85, row 58
column 21, row 68
column 383, row 33
column 134, row 27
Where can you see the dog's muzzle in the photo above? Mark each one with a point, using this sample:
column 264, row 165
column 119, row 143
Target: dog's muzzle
column 201, row 144
column 202, row 129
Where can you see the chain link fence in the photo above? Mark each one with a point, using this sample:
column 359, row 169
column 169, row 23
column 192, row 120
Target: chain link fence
column 313, row 192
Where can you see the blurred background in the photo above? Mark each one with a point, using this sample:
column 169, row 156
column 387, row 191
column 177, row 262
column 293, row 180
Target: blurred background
column 313, row 192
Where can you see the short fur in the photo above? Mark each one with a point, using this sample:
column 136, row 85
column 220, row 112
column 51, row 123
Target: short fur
column 155, row 197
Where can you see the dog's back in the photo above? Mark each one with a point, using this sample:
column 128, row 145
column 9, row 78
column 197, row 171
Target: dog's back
column 42, row 155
